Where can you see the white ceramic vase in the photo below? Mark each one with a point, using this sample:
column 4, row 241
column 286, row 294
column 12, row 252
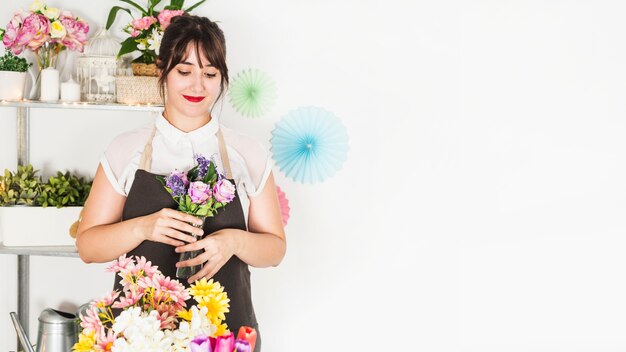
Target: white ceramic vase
column 49, row 84
column 12, row 87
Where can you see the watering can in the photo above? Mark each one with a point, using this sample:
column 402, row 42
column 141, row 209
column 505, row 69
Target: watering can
column 57, row 331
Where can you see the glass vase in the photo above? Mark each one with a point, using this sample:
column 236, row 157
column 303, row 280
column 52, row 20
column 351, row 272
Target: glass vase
column 189, row 271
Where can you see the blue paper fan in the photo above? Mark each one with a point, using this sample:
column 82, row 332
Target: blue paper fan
column 309, row 144
column 252, row 92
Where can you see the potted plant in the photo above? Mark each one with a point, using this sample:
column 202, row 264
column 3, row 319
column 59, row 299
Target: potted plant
column 38, row 213
column 146, row 31
column 13, row 75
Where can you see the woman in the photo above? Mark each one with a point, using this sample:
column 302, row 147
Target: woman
column 129, row 211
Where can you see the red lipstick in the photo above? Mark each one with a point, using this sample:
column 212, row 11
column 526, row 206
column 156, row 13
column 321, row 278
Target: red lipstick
column 193, row 99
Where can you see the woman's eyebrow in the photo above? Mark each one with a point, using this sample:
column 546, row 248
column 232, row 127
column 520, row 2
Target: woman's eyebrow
column 189, row 63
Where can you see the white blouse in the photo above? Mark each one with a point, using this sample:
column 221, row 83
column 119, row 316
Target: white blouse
column 173, row 149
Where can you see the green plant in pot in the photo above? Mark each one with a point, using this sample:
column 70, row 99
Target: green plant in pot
column 13, row 71
column 48, row 209
column 20, row 188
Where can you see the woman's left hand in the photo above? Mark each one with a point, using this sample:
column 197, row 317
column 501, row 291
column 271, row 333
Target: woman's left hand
column 218, row 247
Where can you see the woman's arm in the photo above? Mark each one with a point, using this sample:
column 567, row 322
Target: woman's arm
column 262, row 246
column 102, row 236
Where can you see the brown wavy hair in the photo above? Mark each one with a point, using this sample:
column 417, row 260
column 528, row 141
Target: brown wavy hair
column 206, row 37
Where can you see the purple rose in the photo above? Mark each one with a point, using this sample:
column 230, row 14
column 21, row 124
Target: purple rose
column 199, row 192
column 224, row 191
column 200, row 344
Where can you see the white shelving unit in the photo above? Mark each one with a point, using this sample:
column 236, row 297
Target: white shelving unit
column 23, row 131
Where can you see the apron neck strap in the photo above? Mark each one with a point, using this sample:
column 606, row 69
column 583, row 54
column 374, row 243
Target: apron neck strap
column 145, row 163
column 224, row 154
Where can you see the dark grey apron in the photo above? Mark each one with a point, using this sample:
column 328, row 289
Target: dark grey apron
column 147, row 195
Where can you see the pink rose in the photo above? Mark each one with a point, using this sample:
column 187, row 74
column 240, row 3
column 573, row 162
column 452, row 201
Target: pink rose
column 143, row 23
column 224, row 191
column 165, row 17
column 199, row 192
column 35, row 31
column 76, row 36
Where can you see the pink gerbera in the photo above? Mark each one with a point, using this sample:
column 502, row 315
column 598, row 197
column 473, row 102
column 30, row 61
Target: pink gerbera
column 131, row 298
column 168, row 288
column 90, row 321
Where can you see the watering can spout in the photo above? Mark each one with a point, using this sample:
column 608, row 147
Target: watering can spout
column 21, row 334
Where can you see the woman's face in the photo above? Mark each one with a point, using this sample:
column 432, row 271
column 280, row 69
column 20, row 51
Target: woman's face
column 191, row 89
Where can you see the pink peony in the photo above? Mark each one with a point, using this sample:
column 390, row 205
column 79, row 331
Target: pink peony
column 143, row 23
column 224, row 191
column 35, row 31
column 199, row 192
column 76, row 36
column 165, row 17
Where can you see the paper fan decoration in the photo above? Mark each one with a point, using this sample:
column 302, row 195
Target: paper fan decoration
column 309, row 144
column 284, row 205
column 252, row 92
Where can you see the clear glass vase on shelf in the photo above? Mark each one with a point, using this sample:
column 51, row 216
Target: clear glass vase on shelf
column 189, row 271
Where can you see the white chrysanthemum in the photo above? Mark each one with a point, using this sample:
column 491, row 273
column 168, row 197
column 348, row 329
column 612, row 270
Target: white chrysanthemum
column 187, row 331
column 142, row 332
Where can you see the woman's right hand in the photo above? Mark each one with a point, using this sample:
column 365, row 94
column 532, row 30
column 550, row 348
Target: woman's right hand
column 169, row 226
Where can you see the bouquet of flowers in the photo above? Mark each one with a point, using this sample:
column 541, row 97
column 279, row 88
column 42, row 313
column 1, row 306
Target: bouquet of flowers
column 201, row 191
column 46, row 31
column 146, row 31
column 153, row 315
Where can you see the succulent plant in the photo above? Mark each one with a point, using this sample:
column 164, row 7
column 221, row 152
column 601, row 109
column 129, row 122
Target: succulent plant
column 24, row 187
column 20, row 188
column 64, row 190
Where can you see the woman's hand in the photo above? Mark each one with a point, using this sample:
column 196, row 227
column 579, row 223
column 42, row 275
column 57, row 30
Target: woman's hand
column 218, row 247
column 169, row 226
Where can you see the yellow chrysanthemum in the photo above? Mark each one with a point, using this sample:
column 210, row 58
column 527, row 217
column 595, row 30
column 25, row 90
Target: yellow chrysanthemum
column 184, row 314
column 204, row 288
column 216, row 304
column 85, row 342
column 222, row 329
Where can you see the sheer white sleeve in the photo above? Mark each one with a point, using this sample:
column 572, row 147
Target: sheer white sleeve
column 256, row 158
column 120, row 159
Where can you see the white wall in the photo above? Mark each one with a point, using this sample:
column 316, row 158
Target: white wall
column 480, row 207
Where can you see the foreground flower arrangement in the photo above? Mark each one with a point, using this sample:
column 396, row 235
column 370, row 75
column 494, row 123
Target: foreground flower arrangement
column 150, row 314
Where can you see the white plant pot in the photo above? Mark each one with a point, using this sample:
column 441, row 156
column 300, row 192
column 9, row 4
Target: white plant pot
column 37, row 226
column 12, row 87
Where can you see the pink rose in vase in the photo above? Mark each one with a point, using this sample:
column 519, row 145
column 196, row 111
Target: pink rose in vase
column 199, row 192
column 224, row 191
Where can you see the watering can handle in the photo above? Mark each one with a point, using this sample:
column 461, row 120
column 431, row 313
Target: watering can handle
column 21, row 334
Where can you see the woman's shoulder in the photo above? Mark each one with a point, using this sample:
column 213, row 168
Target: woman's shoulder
column 129, row 141
column 241, row 142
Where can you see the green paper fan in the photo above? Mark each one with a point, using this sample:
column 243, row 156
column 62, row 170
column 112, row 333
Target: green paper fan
column 252, row 92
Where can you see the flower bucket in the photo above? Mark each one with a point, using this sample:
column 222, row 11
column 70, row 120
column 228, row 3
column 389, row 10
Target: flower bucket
column 12, row 87
column 37, row 226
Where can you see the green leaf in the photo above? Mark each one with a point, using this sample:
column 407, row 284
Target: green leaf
column 190, row 8
column 143, row 12
column 113, row 15
column 128, row 46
